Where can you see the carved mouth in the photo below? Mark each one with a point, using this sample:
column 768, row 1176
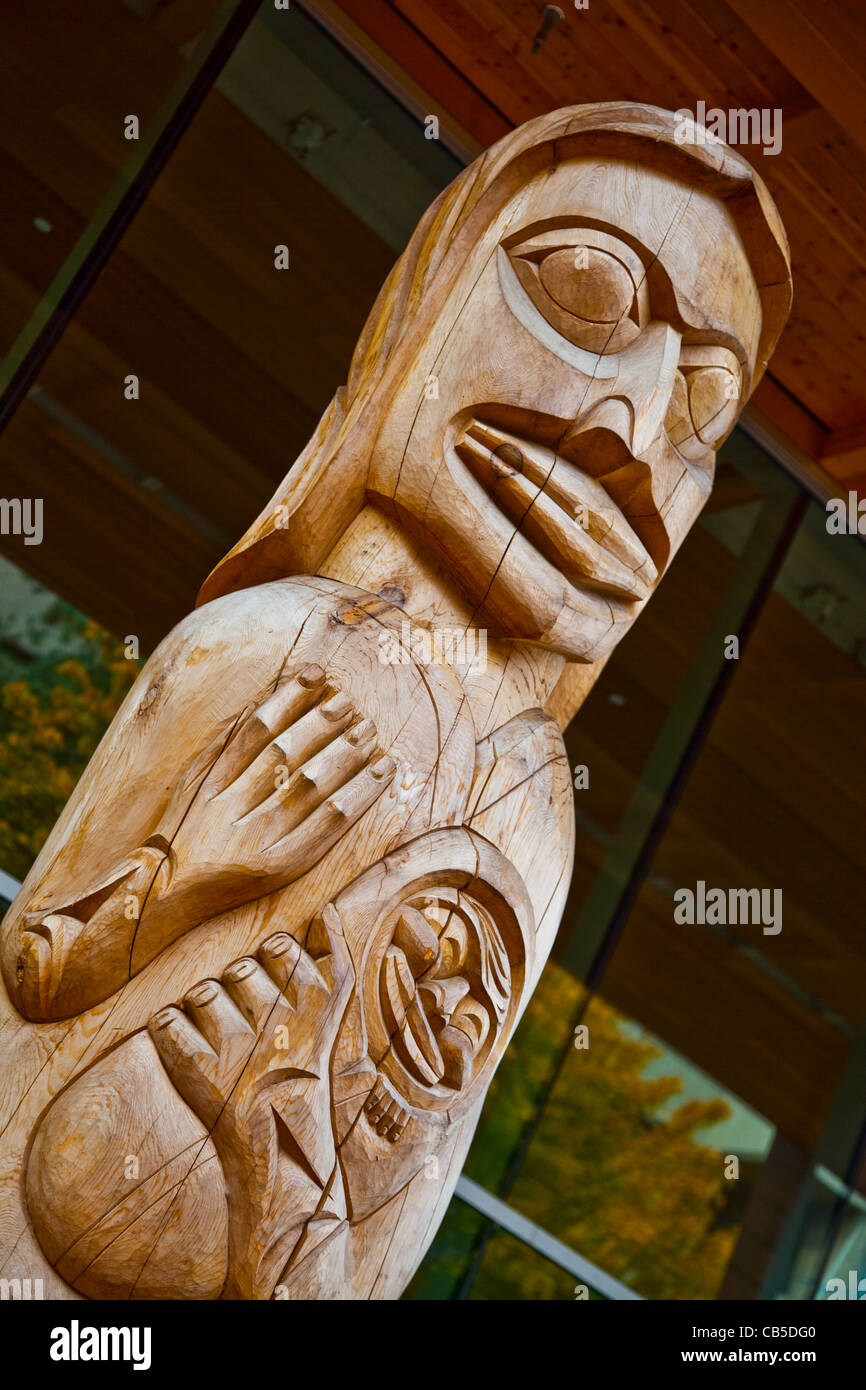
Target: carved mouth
column 567, row 515
column 437, row 1028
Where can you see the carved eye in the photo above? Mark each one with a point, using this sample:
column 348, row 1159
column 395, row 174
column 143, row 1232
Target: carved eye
column 594, row 295
column 714, row 394
column 704, row 401
column 588, row 283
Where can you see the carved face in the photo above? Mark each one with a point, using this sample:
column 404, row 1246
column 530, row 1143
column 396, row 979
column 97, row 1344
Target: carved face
column 581, row 376
column 442, row 947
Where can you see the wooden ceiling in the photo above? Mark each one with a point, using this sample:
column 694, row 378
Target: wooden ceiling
column 474, row 59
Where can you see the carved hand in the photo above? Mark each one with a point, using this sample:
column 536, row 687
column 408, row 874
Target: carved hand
column 295, row 774
column 255, row 812
column 250, row 1055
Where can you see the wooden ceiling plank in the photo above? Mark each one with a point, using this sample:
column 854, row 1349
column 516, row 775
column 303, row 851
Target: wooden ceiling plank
column 810, row 46
column 685, row 43
column 809, row 367
column 479, row 56
column 761, row 68
column 803, row 132
column 844, row 453
column 429, row 66
column 847, row 27
column 565, row 65
column 786, row 411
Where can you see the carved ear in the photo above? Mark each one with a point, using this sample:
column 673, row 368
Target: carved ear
column 442, row 935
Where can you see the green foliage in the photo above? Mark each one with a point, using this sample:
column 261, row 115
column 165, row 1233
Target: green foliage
column 52, row 716
column 634, row 1193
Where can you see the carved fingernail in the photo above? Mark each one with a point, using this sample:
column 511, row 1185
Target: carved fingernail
column 383, row 768
column 204, row 993
column 311, row 676
column 337, row 707
column 239, row 969
column 360, row 733
column 163, row 1018
column 507, row 460
column 278, row 945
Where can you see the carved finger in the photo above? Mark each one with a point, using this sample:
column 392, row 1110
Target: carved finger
column 221, row 1022
column 308, row 842
column 307, row 987
column 287, row 752
column 199, row 773
column 376, row 1107
column 323, row 774
column 190, row 1061
column 252, row 990
column 280, row 955
column 292, row 699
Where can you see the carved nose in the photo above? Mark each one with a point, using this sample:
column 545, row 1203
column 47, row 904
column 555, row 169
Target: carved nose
column 627, row 421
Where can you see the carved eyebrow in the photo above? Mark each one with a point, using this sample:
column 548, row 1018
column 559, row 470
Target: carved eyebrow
column 643, row 263
column 541, row 237
column 693, row 327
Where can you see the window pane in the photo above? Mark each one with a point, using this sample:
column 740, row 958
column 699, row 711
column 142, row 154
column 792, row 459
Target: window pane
column 234, row 359
column 62, row 678
column 71, row 75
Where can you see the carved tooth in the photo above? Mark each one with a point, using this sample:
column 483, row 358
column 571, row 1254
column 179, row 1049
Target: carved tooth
column 417, row 940
column 583, row 499
column 397, row 988
column 444, row 995
column 561, row 539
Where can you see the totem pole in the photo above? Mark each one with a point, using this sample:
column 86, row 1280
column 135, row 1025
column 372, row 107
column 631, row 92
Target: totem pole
column 272, row 952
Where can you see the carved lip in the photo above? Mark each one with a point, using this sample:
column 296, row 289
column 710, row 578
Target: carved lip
column 566, row 514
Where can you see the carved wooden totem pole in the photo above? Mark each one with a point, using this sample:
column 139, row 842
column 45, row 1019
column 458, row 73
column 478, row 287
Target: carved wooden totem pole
column 265, row 965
